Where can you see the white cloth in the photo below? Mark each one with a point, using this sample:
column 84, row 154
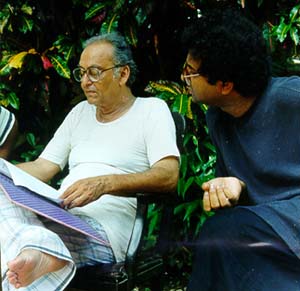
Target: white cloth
column 20, row 230
column 130, row 144
column 7, row 120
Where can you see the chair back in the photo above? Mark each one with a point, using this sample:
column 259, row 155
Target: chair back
column 180, row 125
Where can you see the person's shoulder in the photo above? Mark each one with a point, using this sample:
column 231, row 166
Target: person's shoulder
column 151, row 100
column 82, row 106
column 4, row 111
column 6, row 117
column 151, row 103
column 283, row 91
column 151, row 107
column 80, row 110
column 289, row 83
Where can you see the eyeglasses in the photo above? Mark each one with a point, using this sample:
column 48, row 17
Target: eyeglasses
column 187, row 78
column 94, row 74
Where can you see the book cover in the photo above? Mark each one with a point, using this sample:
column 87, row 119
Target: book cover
column 37, row 196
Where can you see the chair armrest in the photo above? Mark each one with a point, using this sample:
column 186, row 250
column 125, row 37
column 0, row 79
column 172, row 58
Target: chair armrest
column 170, row 198
column 143, row 201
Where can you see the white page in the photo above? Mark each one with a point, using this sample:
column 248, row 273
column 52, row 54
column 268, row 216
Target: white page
column 21, row 178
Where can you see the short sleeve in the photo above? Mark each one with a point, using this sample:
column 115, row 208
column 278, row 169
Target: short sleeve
column 160, row 132
column 59, row 147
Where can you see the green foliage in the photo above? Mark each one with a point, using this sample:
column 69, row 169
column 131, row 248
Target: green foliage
column 286, row 33
column 8, row 96
column 289, row 25
column 197, row 156
column 41, row 44
column 35, row 149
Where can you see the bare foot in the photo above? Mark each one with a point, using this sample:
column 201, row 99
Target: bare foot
column 30, row 265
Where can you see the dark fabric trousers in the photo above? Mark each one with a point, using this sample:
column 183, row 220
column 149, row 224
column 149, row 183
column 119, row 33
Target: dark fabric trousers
column 239, row 251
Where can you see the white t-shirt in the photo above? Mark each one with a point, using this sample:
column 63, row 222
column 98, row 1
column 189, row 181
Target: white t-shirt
column 132, row 143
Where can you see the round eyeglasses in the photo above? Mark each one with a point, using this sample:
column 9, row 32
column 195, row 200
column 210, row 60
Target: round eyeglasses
column 94, row 74
column 187, row 78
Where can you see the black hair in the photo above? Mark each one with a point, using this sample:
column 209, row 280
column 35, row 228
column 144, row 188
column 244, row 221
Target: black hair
column 230, row 48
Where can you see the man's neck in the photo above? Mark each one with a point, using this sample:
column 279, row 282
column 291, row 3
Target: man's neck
column 238, row 106
column 112, row 112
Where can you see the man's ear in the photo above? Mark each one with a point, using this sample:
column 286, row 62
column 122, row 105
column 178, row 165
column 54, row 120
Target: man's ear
column 124, row 74
column 225, row 88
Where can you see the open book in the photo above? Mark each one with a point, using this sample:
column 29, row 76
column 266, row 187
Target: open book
column 37, row 196
column 21, row 178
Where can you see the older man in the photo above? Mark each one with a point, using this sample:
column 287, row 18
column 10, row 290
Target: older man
column 115, row 144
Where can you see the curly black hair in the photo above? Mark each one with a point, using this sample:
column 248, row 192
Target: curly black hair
column 230, row 48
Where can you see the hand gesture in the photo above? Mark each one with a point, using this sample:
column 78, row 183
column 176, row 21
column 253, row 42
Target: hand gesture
column 84, row 191
column 221, row 192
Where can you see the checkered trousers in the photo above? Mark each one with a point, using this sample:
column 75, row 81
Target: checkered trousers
column 21, row 229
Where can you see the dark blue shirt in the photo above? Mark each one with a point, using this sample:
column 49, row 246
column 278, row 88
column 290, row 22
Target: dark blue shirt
column 262, row 148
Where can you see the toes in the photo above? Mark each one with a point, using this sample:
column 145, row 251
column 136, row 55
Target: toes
column 13, row 279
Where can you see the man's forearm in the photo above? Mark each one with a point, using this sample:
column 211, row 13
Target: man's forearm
column 162, row 177
column 154, row 180
column 40, row 168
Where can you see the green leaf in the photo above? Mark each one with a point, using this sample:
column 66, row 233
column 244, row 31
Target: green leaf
column 31, row 139
column 259, row 3
column 131, row 35
column 60, row 66
column 27, row 25
column 192, row 207
column 195, row 140
column 181, row 104
column 113, row 23
column 181, row 207
column 26, row 9
column 294, row 12
column 94, row 11
column 68, row 53
column 294, row 35
column 187, row 185
column 210, row 146
column 183, row 164
column 281, row 30
column 13, row 100
column 153, row 223
column 3, row 22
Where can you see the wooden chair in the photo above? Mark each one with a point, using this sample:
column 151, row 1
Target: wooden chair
column 141, row 266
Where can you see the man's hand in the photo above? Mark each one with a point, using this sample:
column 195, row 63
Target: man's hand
column 85, row 191
column 221, row 192
column 161, row 177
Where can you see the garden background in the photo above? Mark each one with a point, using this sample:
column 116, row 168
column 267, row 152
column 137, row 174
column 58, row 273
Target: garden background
column 40, row 44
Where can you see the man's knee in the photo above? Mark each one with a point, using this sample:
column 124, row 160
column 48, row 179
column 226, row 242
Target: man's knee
column 234, row 224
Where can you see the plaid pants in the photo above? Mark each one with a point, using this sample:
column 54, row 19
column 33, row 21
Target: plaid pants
column 22, row 229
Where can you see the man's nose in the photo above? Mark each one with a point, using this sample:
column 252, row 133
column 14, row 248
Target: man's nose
column 85, row 79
